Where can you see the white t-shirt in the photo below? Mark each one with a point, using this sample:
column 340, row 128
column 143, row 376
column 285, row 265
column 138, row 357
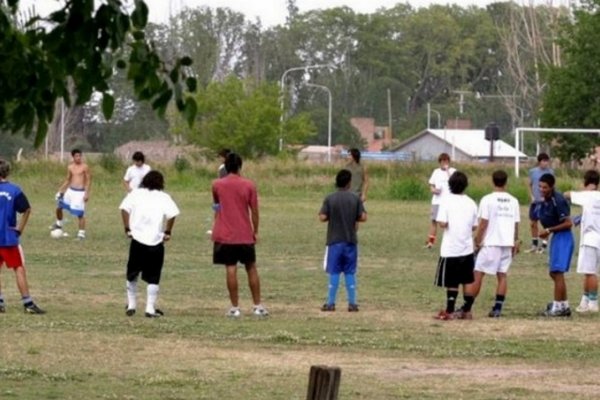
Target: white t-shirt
column 439, row 180
column 135, row 174
column 460, row 212
column 590, row 218
column 148, row 210
column 501, row 210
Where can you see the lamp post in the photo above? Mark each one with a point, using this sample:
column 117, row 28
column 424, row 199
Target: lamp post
column 329, row 119
column 439, row 116
column 281, row 87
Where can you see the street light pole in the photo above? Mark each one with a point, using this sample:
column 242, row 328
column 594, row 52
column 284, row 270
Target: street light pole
column 329, row 119
column 439, row 116
column 282, row 98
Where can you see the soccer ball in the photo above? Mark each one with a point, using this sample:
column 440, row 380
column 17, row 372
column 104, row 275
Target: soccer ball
column 56, row 233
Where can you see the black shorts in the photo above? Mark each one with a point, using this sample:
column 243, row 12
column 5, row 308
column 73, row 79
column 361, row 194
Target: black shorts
column 455, row 271
column 147, row 260
column 231, row 254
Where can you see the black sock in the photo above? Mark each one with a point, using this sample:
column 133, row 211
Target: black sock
column 469, row 300
column 499, row 302
column 534, row 242
column 451, row 295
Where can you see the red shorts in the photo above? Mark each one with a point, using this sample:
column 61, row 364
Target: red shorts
column 12, row 256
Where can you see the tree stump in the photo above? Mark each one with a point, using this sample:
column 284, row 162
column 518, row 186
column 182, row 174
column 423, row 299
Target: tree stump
column 323, row 382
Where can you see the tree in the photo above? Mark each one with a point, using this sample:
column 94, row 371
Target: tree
column 571, row 100
column 78, row 45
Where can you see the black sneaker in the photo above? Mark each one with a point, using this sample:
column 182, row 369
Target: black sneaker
column 564, row 312
column 495, row 313
column 33, row 309
column 352, row 307
column 157, row 313
column 328, row 307
column 130, row 312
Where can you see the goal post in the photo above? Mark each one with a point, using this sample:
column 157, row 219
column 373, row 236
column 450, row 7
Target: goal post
column 523, row 130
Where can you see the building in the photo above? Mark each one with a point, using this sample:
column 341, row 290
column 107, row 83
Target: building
column 376, row 138
column 461, row 144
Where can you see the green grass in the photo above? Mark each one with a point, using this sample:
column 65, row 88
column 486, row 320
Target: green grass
column 85, row 347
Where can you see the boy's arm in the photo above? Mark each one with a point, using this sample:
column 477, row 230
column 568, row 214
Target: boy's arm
column 23, row 220
column 481, row 228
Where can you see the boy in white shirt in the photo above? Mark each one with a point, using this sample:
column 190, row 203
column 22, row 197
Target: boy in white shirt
column 438, row 185
column 457, row 215
column 496, row 240
column 588, row 260
column 136, row 172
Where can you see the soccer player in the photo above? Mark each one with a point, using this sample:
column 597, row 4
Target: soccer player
column 13, row 201
column 148, row 215
column 438, row 185
column 235, row 232
column 555, row 218
column 457, row 216
column 74, row 192
column 536, row 199
column 342, row 210
column 223, row 156
column 496, row 240
column 588, row 260
column 360, row 178
column 136, row 172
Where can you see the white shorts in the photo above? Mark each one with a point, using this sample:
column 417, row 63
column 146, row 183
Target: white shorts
column 73, row 201
column 493, row 259
column 588, row 260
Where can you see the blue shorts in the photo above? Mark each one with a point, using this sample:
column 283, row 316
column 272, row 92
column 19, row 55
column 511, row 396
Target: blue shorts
column 561, row 251
column 341, row 257
column 534, row 211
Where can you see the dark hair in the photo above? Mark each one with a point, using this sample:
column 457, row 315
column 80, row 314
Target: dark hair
column 543, row 157
column 233, row 163
column 75, row 151
column 153, row 180
column 458, row 182
column 355, row 154
column 499, row 177
column 591, row 177
column 224, row 152
column 549, row 179
column 443, row 157
column 138, row 156
column 343, row 178
column 4, row 168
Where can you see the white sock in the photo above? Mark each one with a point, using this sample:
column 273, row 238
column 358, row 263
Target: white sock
column 152, row 297
column 556, row 305
column 81, row 232
column 131, row 291
column 564, row 304
column 59, row 222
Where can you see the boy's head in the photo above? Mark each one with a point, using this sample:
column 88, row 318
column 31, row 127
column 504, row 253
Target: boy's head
column 444, row 160
column 138, row 158
column 153, row 180
column 76, row 154
column 355, row 154
column 343, row 178
column 458, row 182
column 543, row 160
column 500, row 178
column 546, row 185
column 591, row 177
column 4, row 169
column 233, row 163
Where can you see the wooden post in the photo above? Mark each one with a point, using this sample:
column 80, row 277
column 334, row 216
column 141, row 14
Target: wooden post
column 323, row 383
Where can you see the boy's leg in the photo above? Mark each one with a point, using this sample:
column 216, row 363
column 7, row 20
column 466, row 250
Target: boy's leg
column 152, row 297
column 131, row 289
column 350, row 280
column 334, row 282
column 253, row 282
column 2, row 305
column 23, row 287
column 451, row 296
column 591, row 288
column 232, row 284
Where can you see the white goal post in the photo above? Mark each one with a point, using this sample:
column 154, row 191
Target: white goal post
column 560, row 130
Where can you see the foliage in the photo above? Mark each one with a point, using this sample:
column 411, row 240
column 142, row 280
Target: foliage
column 236, row 115
column 78, row 45
column 111, row 162
column 571, row 100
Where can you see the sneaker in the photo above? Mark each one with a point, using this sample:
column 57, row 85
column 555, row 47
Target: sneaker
column 81, row 236
column 461, row 314
column 328, row 307
column 495, row 313
column 234, row 312
column 157, row 313
column 130, row 312
column 565, row 312
column 444, row 316
column 260, row 311
column 55, row 226
column 33, row 309
column 2, row 308
column 532, row 249
column 352, row 307
column 587, row 308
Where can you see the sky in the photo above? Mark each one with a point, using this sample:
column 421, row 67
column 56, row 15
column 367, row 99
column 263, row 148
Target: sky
column 273, row 12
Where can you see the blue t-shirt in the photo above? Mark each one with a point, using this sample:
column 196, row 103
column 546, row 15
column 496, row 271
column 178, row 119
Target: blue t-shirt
column 534, row 177
column 554, row 210
column 12, row 201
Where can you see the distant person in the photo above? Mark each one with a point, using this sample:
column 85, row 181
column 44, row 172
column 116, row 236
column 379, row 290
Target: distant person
column 13, row 201
column 148, row 215
column 588, row 260
column 555, row 217
column 438, row 185
column 360, row 177
column 235, row 232
column 342, row 211
column 457, row 216
column 543, row 167
column 74, row 192
column 496, row 240
column 136, row 172
column 223, row 156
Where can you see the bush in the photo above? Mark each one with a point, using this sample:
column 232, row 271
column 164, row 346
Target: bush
column 110, row 162
column 182, row 164
column 410, row 188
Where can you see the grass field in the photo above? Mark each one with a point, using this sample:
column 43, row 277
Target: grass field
column 86, row 348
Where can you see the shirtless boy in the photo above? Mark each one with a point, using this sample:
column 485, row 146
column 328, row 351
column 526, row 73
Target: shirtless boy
column 74, row 192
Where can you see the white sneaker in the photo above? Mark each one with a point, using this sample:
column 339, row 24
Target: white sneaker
column 532, row 249
column 593, row 306
column 234, row 312
column 81, row 236
column 260, row 311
